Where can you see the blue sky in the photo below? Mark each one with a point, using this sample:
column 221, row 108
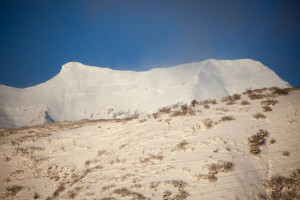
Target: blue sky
column 38, row 36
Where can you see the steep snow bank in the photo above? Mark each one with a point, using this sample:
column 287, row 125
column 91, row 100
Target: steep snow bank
column 81, row 91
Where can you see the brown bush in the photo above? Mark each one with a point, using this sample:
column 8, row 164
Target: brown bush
column 227, row 119
column 245, row 103
column 259, row 116
column 165, row 110
column 194, row 103
column 12, row 191
column 255, row 96
column 285, row 188
column 257, row 140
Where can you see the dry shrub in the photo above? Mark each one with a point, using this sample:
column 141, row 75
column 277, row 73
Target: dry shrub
column 194, row 103
column 155, row 115
column 209, row 177
column 255, row 96
column 272, row 141
column 234, row 97
column 178, row 184
column 227, row 119
column 285, row 188
column 208, row 123
column 245, row 103
column 257, row 140
column 208, row 101
column 124, row 192
column 206, row 106
column 61, row 187
column 12, row 191
column 182, row 146
column 269, row 102
column 165, row 110
column 221, row 166
column 279, row 91
column 259, row 116
column 286, row 153
column 152, row 157
column 184, row 110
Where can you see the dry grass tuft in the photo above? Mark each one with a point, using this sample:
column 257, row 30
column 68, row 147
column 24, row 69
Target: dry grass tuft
column 259, row 116
column 209, row 177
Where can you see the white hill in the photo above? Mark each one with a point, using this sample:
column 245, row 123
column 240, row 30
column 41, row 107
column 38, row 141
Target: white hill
column 240, row 147
column 84, row 92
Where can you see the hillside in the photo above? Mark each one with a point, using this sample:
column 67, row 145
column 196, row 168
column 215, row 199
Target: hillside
column 243, row 146
column 84, row 92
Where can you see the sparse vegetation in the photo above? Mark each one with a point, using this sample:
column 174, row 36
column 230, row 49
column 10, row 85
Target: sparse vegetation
column 227, row 119
column 209, row 177
column 285, row 188
column 267, row 108
column 272, row 141
column 221, row 166
column 165, row 110
column 194, row 103
column 245, row 103
column 12, row 191
column 257, row 140
column 230, row 100
column 208, row 123
column 255, row 96
column 259, row 116
column 184, row 110
column 286, row 153
column 279, row 91
column 182, row 146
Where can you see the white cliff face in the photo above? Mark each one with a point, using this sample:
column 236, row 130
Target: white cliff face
column 81, row 91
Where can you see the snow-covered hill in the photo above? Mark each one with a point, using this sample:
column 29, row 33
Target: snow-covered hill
column 239, row 147
column 84, row 92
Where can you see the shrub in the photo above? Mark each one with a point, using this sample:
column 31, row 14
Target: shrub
column 281, row 187
column 182, row 146
column 286, row 153
column 227, row 118
column 269, row 102
column 255, row 96
column 155, row 115
column 165, row 110
column 221, row 166
column 206, row 106
column 257, row 140
column 208, row 123
column 13, row 190
column 229, row 100
column 194, row 103
column 245, row 103
column 272, row 141
column 279, row 91
column 266, row 108
column 259, row 116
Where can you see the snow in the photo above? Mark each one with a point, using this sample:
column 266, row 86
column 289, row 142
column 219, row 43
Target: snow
column 85, row 92
column 95, row 159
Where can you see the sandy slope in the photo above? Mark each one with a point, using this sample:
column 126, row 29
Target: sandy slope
column 166, row 157
column 84, row 92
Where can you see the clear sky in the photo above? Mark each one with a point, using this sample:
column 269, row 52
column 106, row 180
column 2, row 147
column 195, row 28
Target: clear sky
column 38, row 36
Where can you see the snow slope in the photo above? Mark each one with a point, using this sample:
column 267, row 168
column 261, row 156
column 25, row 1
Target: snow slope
column 166, row 157
column 84, row 92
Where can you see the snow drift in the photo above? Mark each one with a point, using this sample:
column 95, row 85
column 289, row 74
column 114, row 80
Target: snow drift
column 81, row 91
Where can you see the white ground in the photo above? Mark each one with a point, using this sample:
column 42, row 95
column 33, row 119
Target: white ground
column 84, row 92
column 93, row 159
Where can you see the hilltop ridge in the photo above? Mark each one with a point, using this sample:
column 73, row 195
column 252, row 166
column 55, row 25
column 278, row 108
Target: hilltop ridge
column 84, row 92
